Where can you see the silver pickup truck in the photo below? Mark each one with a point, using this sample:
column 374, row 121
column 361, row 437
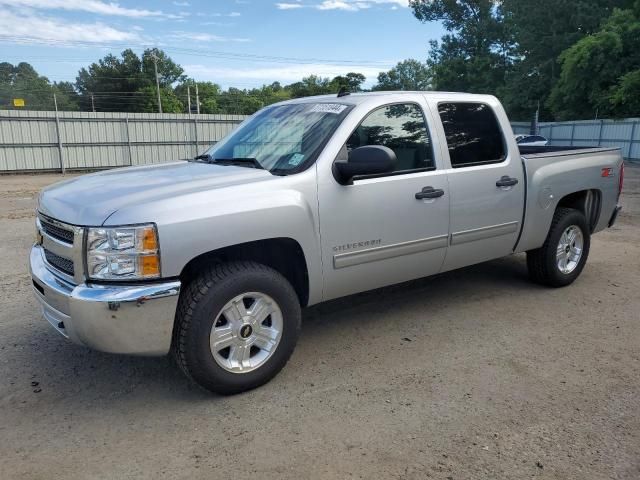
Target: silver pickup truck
column 308, row 200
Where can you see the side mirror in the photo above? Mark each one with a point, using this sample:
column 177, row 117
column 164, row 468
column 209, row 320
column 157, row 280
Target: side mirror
column 367, row 160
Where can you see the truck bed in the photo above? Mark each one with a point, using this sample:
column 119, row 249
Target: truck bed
column 553, row 172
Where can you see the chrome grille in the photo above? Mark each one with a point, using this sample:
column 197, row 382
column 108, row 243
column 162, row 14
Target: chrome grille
column 62, row 247
column 63, row 264
column 56, row 231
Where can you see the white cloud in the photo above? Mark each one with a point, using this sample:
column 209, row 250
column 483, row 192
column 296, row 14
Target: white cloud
column 181, row 4
column 218, row 24
column 337, row 5
column 205, row 37
column 34, row 29
column 232, row 14
column 91, row 6
column 346, row 5
column 289, row 6
column 286, row 73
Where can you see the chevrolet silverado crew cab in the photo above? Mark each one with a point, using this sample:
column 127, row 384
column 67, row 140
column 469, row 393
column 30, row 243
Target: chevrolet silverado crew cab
column 308, row 200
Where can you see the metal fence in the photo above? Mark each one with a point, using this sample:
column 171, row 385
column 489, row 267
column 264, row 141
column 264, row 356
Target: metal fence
column 624, row 134
column 37, row 141
column 41, row 141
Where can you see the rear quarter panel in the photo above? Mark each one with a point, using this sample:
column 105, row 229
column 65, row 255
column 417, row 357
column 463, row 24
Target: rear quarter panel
column 553, row 176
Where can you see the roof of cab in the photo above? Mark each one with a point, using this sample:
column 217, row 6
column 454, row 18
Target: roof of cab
column 361, row 97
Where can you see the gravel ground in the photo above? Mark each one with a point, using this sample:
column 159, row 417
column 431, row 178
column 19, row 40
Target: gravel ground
column 472, row 374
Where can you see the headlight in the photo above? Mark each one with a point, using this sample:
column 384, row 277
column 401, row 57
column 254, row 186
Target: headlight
column 123, row 253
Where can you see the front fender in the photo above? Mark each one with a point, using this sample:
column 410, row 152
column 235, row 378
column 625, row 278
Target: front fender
column 194, row 224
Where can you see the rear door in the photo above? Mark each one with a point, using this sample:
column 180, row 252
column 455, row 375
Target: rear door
column 486, row 182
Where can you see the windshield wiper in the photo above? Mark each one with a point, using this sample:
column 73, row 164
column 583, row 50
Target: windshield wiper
column 237, row 161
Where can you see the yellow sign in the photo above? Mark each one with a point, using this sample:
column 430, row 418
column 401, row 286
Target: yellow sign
column 18, row 102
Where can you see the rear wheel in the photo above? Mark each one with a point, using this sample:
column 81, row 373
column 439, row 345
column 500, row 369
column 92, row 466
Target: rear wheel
column 236, row 327
column 564, row 253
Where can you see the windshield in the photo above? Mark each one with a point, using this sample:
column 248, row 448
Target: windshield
column 282, row 139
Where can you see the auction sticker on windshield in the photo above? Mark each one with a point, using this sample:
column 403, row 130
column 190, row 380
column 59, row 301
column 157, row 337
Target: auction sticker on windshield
column 335, row 108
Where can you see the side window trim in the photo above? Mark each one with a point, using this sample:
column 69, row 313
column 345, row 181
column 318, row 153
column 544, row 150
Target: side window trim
column 394, row 174
column 400, row 172
column 505, row 149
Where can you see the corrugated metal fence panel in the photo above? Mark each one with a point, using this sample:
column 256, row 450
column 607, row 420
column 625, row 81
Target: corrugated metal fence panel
column 521, row 128
column 36, row 158
column 624, row 134
column 29, row 139
column 150, row 153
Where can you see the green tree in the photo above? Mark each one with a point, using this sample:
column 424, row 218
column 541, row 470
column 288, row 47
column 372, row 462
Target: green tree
column 541, row 32
column 406, row 75
column 66, row 96
column 240, row 102
column 208, row 93
column 169, row 72
column 128, row 83
column 476, row 53
column 600, row 73
column 351, row 81
column 311, row 85
column 268, row 94
column 22, row 81
column 316, row 85
column 625, row 97
column 110, row 83
column 148, row 100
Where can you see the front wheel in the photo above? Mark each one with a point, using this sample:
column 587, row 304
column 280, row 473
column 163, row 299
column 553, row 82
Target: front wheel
column 236, row 327
column 564, row 253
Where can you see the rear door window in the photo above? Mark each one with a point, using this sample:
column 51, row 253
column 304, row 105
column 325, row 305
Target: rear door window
column 473, row 134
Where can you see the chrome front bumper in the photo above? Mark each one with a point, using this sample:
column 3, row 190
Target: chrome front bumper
column 130, row 319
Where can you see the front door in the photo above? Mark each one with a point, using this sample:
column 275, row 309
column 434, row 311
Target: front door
column 392, row 228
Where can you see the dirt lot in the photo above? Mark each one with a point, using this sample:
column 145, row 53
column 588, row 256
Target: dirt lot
column 469, row 375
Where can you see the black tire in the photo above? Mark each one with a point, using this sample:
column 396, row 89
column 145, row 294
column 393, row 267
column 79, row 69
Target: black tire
column 199, row 304
column 542, row 264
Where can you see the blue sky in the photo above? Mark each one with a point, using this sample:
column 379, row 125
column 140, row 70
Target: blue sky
column 241, row 43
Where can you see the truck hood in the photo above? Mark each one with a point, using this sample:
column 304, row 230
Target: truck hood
column 91, row 199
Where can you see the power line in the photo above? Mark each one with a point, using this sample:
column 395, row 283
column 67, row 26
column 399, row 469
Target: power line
column 196, row 52
column 126, row 93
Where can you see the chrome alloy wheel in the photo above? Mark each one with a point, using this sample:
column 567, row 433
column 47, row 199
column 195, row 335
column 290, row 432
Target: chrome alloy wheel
column 246, row 332
column 569, row 249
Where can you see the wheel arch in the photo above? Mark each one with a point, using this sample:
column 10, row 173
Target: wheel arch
column 589, row 202
column 538, row 216
column 285, row 255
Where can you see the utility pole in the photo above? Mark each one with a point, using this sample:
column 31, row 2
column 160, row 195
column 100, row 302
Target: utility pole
column 93, row 106
column 189, row 99
column 155, row 67
column 60, row 154
column 197, row 100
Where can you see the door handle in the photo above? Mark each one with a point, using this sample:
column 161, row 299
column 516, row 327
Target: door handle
column 429, row 192
column 506, row 181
